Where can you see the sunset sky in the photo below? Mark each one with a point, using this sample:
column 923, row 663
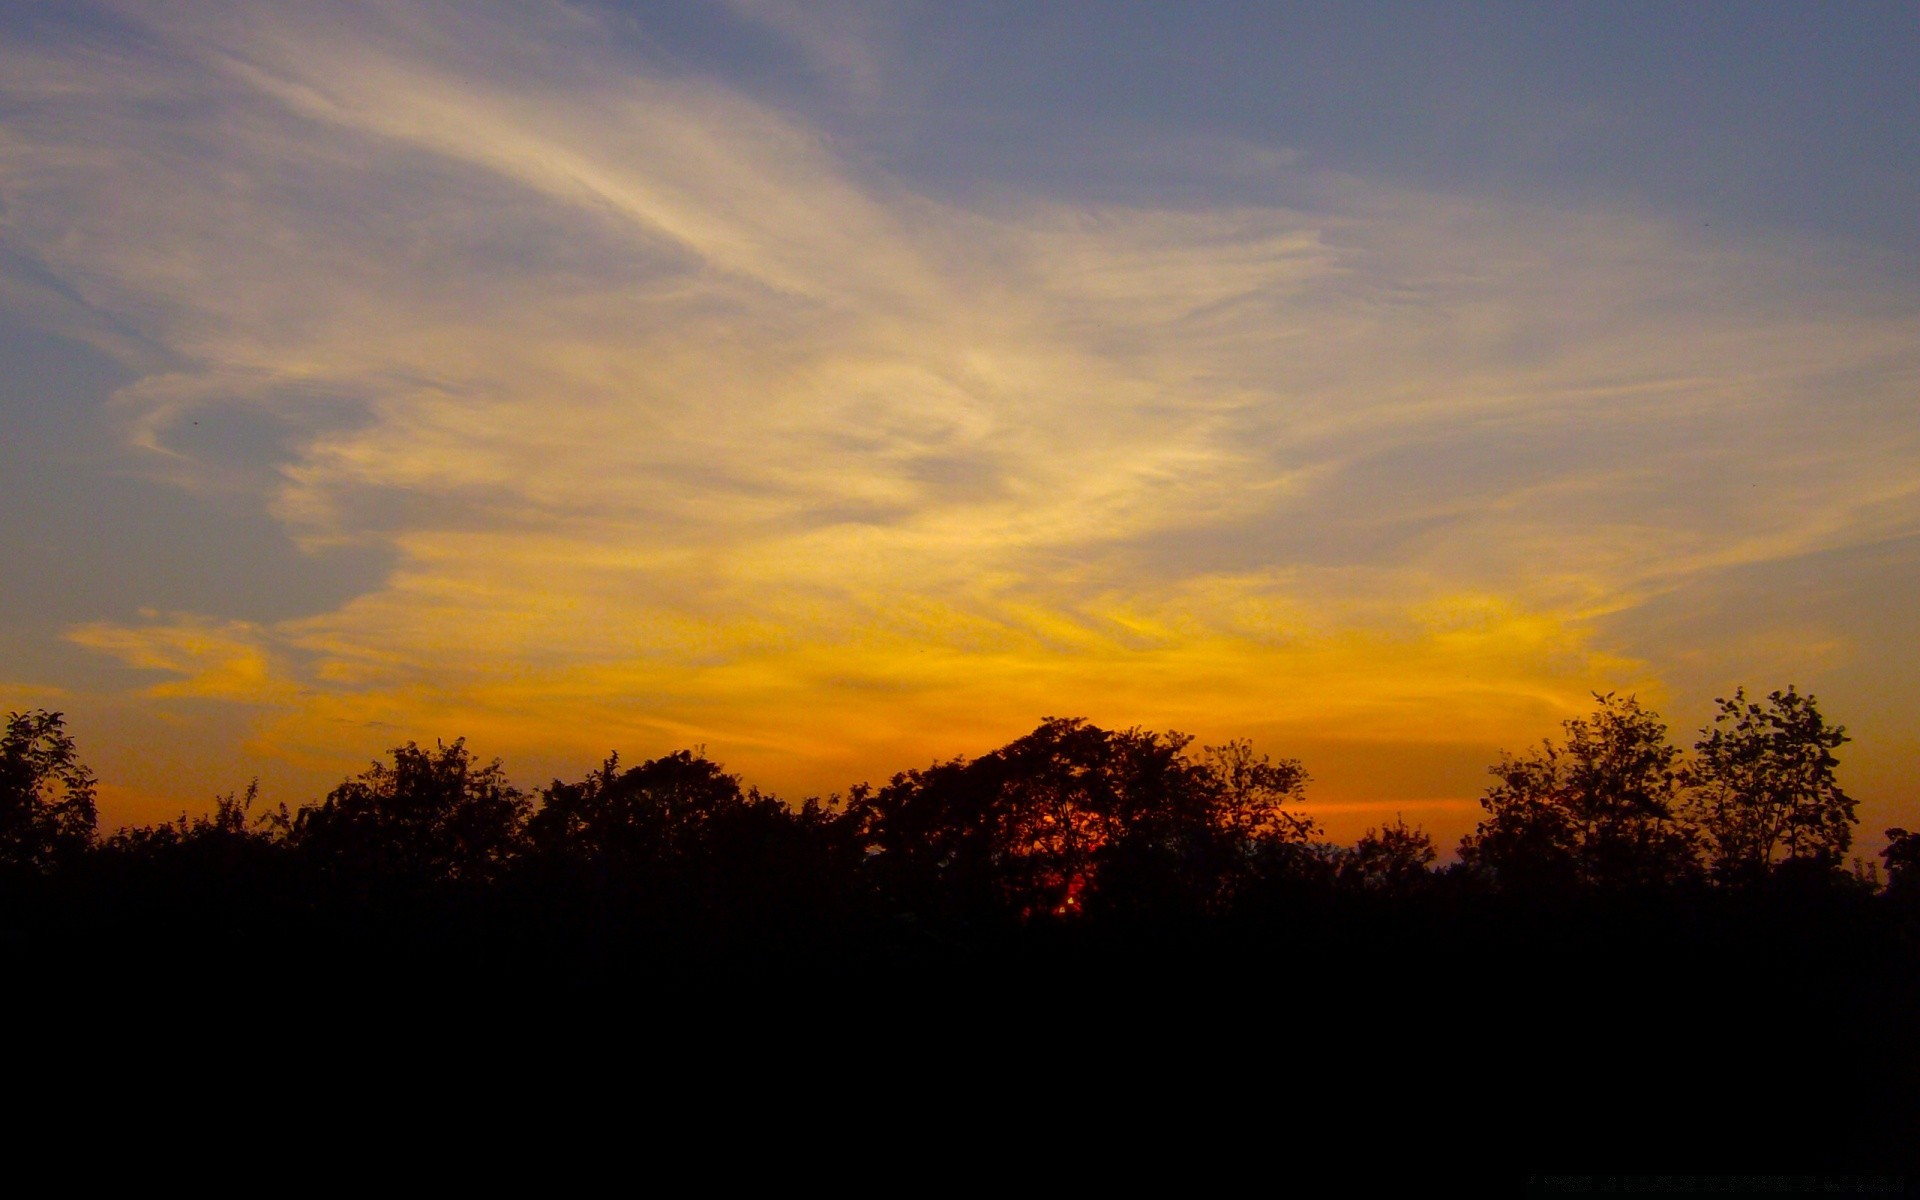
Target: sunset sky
column 840, row 386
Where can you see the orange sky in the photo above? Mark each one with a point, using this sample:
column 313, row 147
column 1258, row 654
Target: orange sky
column 644, row 406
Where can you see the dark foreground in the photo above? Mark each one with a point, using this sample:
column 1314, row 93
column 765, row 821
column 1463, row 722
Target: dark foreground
column 1088, row 959
column 1440, row 1040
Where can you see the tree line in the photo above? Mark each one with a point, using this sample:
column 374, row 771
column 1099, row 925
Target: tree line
column 1642, row 956
column 1070, row 822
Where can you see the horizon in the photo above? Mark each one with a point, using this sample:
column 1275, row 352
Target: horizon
column 844, row 387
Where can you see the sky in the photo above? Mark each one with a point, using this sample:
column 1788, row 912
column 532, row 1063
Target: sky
column 844, row 386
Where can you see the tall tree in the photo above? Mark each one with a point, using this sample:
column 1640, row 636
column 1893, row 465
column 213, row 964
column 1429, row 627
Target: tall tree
column 47, row 810
column 1598, row 810
column 1763, row 787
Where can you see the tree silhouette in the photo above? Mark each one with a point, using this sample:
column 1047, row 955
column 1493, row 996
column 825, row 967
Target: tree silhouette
column 1763, row 788
column 1598, row 810
column 663, row 811
column 1250, row 792
column 47, row 811
column 1018, row 828
column 434, row 816
column 1073, row 817
column 678, row 833
column 1393, row 859
column 1902, row 857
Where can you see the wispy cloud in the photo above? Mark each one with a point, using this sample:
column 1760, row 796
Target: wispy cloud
column 24, row 696
column 208, row 660
column 840, row 40
column 685, row 426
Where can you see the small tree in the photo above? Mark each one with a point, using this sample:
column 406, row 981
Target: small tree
column 47, row 812
column 1597, row 811
column 1393, row 859
column 1902, row 857
column 1762, row 787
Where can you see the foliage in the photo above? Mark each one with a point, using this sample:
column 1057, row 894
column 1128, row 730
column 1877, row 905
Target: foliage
column 1073, row 817
column 1763, row 788
column 1394, row 859
column 225, row 870
column 1248, row 794
column 670, row 809
column 678, row 833
column 1070, row 821
column 1902, row 857
column 1595, row 811
column 232, row 821
column 47, row 810
column 434, row 816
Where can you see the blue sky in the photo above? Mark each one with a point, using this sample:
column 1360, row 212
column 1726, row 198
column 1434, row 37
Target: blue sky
column 840, row 385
